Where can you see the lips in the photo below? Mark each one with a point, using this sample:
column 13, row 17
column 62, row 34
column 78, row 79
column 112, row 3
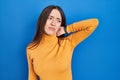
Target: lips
column 52, row 29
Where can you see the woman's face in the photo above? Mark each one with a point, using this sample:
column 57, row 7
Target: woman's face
column 53, row 22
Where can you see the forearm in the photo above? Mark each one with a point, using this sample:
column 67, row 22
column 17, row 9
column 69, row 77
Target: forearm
column 85, row 25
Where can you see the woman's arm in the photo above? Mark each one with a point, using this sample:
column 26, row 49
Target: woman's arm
column 31, row 74
column 81, row 30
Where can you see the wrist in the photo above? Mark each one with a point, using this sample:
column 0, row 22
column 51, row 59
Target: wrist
column 65, row 29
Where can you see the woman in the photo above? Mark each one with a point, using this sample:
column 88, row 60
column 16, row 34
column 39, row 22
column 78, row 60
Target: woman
column 49, row 54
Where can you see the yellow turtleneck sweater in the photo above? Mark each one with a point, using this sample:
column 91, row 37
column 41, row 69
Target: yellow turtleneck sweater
column 51, row 60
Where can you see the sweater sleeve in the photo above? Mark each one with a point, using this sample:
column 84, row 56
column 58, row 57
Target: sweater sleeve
column 81, row 30
column 31, row 74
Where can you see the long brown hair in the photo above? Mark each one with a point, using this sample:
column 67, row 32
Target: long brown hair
column 42, row 21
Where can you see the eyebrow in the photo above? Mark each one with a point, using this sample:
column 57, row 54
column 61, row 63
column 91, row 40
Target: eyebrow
column 53, row 17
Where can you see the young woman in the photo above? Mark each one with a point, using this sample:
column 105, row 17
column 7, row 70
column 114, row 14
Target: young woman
column 49, row 54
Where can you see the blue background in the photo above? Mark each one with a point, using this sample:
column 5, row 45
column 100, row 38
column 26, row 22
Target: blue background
column 96, row 58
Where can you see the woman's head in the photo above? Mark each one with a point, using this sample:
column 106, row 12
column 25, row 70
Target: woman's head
column 53, row 22
column 51, row 18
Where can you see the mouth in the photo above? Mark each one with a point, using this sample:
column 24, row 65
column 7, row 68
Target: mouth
column 52, row 29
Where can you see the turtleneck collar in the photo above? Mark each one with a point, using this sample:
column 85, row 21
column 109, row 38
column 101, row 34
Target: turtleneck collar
column 50, row 37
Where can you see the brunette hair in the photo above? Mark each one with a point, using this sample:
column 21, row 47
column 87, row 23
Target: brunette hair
column 42, row 21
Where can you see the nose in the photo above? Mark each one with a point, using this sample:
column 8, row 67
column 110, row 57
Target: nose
column 53, row 23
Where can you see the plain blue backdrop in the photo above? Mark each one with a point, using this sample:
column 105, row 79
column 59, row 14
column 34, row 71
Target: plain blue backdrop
column 96, row 58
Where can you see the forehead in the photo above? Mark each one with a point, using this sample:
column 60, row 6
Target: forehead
column 55, row 13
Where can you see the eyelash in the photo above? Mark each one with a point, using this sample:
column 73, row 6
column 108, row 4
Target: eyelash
column 59, row 21
column 50, row 18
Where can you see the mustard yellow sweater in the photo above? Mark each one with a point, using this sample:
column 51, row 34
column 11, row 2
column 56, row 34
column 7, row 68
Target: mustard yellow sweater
column 51, row 61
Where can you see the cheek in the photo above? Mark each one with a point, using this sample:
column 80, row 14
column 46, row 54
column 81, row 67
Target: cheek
column 57, row 28
column 46, row 25
column 58, row 25
column 46, row 28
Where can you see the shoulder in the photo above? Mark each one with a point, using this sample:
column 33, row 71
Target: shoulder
column 29, row 49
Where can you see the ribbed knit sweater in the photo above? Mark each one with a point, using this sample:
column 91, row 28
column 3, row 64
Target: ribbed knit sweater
column 51, row 60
